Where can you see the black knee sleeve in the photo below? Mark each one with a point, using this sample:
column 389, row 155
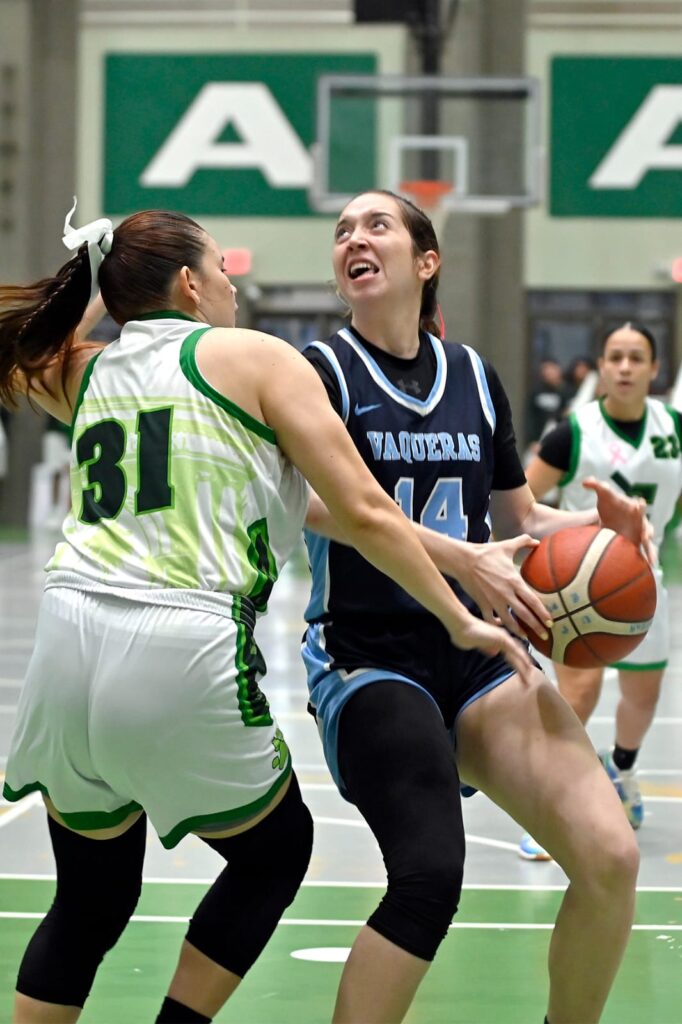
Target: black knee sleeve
column 98, row 886
column 265, row 868
column 397, row 762
column 417, row 909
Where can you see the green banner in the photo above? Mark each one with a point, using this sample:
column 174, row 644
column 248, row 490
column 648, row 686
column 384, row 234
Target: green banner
column 616, row 137
column 225, row 135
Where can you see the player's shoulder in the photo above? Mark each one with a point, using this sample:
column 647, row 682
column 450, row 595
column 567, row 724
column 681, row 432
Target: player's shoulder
column 659, row 407
column 335, row 346
column 458, row 355
column 585, row 416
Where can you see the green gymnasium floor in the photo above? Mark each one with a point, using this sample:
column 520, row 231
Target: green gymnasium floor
column 491, row 967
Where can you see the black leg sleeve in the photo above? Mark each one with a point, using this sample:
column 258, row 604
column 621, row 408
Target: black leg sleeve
column 265, row 868
column 98, row 886
column 397, row 761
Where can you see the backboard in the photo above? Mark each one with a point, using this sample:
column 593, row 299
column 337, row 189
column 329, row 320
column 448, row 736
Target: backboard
column 480, row 138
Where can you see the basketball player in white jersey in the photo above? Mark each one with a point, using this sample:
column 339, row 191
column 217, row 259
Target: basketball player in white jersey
column 633, row 442
column 190, row 441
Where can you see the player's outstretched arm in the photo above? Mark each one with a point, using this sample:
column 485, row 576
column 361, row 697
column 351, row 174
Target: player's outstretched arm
column 517, row 510
column 296, row 406
column 624, row 515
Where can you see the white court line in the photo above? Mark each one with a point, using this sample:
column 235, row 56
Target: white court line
column 351, row 923
column 7, row 709
column 315, row 884
column 21, row 808
column 498, row 844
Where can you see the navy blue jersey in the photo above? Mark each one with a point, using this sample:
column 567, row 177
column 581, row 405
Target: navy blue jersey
column 434, row 455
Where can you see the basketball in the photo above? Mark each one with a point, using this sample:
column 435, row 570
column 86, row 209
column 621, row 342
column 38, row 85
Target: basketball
column 599, row 590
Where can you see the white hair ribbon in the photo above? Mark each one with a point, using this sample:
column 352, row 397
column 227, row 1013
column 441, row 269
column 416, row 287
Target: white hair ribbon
column 99, row 235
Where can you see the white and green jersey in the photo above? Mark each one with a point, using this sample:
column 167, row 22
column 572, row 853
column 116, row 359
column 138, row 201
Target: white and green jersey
column 173, row 486
column 648, row 466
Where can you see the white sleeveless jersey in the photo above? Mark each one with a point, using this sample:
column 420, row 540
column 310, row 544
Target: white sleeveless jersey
column 173, row 486
column 649, row 466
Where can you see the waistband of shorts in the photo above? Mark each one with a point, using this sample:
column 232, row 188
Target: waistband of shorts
column 232, row 606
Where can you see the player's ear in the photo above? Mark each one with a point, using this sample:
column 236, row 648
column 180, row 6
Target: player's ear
column 186, row 282
column 427, row 264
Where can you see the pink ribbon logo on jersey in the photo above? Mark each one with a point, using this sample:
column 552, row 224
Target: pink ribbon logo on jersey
column 617, row 456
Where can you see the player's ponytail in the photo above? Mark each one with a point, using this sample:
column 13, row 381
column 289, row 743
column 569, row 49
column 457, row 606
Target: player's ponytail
column 134, row 267
column 37, row 325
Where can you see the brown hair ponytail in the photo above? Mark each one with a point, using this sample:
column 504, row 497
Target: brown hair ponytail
column 37, row 324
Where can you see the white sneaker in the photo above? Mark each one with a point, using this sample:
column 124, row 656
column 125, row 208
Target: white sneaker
column 627, row 788
column 529, row 849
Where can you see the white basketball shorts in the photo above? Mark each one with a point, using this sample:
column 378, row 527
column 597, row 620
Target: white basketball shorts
column 130, row 705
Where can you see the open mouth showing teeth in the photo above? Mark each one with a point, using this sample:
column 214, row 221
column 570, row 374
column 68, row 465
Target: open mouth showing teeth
column 361, row 270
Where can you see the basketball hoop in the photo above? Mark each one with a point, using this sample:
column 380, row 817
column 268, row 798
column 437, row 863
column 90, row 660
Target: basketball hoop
column 428, row 195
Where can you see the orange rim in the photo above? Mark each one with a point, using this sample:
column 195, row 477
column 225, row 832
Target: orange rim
column 426, row 193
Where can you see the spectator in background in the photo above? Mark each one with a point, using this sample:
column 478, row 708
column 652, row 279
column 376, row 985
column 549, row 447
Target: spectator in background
column 545, row 403
column 576, row 373
column 580, row 383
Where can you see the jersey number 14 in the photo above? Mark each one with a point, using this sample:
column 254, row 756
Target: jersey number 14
column 443, row 510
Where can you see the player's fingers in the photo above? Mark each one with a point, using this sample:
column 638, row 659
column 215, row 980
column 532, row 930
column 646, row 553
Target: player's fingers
column 531, row 605
column 506, row 618
column 520, row 661
column 538, row 621
column 524, row 540
column 487, row 611
column 650, row 551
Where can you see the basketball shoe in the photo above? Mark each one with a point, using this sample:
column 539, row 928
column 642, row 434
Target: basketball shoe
column 627, row 788
column 529, row 849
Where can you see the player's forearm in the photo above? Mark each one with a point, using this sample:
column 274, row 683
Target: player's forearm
column 541, row 520
column 450, row 556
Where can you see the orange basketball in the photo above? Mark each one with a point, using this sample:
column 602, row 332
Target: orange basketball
column 599, row 590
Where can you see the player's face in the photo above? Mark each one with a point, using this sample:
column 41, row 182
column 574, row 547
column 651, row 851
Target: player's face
column 627, row 367
column 373, row 253
column 218, row 296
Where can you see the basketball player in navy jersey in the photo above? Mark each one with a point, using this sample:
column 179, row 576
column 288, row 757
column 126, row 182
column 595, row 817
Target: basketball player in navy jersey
column 389, row 692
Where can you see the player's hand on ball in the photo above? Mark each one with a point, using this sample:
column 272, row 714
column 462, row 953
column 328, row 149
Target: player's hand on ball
column 624, row 515
column 492, row 640
column 492, row 579
column 600, row 590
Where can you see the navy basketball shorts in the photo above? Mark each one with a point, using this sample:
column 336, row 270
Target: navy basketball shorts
column 343, row 656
